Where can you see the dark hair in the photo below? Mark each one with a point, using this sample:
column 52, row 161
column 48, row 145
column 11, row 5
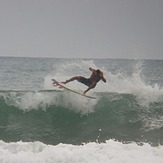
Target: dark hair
column 98, row 71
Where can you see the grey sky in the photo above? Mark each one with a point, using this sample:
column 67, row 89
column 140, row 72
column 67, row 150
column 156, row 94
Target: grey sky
column 82, row 28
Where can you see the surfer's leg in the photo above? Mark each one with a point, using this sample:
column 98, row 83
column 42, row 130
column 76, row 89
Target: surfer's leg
column 72, row 79
column 85, row 81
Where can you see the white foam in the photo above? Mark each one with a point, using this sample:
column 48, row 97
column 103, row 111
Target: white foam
column 27, row 101
column 67, row 70
column 144, row 93
column 111, row 151
column 119, row 83
column 134, row 84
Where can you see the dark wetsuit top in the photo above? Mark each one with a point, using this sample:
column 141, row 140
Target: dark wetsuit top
column 88, row 81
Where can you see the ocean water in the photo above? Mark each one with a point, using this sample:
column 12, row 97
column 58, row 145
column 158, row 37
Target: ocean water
column 42, row 123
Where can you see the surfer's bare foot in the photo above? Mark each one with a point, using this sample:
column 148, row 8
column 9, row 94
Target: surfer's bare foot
column 53, row 81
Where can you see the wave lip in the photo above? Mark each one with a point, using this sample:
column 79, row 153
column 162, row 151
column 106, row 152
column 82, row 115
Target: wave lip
column 44, row 99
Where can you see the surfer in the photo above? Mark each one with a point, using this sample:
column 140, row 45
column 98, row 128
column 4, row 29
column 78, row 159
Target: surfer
column 91, row 82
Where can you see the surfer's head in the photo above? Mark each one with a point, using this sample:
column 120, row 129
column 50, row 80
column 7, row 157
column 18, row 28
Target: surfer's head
column 98, row 71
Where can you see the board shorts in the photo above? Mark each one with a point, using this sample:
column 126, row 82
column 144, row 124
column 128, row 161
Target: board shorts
column 85, row 81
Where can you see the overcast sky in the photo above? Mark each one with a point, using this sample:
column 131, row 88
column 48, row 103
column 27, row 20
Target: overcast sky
column 82, row 28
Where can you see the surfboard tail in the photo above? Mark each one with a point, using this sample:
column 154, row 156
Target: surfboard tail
column 56, row 83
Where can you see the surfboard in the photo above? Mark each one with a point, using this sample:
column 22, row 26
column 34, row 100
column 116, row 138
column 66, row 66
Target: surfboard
column 60, row 85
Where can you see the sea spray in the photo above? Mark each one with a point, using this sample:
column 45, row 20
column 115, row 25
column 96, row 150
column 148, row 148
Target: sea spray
column 53, row 125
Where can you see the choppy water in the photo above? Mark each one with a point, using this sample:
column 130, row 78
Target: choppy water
column 36, row 117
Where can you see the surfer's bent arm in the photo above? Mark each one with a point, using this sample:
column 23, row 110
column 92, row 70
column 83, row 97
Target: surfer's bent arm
column 103, row 79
